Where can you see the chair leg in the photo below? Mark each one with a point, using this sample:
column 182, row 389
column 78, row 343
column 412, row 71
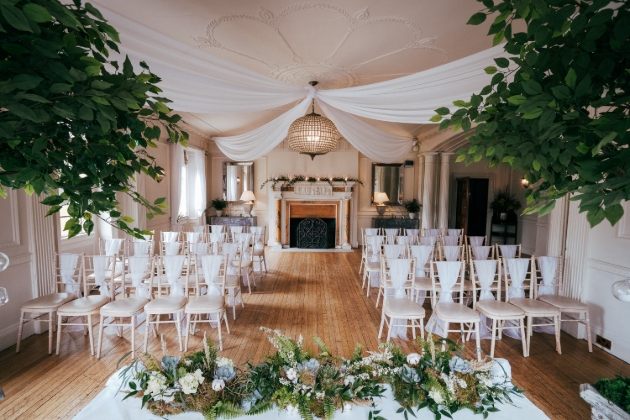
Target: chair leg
column 478, row 341
column 390, row 325
column 220, row 337
column 91, row 332
column 378, row 297
column 133, row 337
column 100, row 338
column 227, row 326
column 249, row 283
column 50, row 331
column 587, row 323
column 58, row 333
column 557, row 324
column 187, row 332
column 380, row 331
column 422, row 328
column 494, row 336
column 521, row 323
column 413, row 329
column 85, row 328
column 178, row 325
column 446, row 327
column 146, row 334
column 529, row 333
column 19, row 337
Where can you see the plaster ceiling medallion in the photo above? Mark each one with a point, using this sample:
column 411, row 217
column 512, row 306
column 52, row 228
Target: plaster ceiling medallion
column 317, row 41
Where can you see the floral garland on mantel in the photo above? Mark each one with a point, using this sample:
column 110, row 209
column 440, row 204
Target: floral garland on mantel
column 311, row 386
column 305, row 178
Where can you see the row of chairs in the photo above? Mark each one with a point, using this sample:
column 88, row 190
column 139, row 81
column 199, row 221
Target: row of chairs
column 156, row 285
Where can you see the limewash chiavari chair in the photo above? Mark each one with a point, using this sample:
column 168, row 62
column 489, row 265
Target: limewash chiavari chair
column 403, row 240
column 171, row 236
column 203, row 229
column 516, row 271
column 88, row 305
column 198, row 249
column 399, row 274
column 217, row 239
column 210, row 271
column 389, row 252
column 451, row 253
column 138, row 269
column 233, row 230
column 428, row 240
column 193, row 238
column 476, row 240
column 390, row 234
column 480, row 253
column 258, row 252
column 169, row 278
column 422, row 255
column 171, row 248
column 431, row 232
column 232, row 277
column 218, row 229
column 66, row 274
column 446, row 311
column 243, row 260
column 366, row 253
column 454, row 232
column 508, row 251
column 414, row 234
column 548, row 291
column 373, row 265
column 486, row 279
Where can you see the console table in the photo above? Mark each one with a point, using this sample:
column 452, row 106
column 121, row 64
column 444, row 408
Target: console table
column 233, row 221
column 391, row 222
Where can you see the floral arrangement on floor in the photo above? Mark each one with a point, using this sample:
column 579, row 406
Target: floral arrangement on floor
column 616, row 390
column 315, row 386
column 305, row 178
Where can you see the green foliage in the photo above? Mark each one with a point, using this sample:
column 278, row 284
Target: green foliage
column 219, row 204
column 412, row 206
column 301, row 178
column 559, row 107
column 503, row 201
column 75, row 126
column 616, row 390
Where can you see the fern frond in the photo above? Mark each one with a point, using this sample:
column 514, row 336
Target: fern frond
column 322, row 346
column 356, row 354
column 260, row 407
column 305, row 412
column 229, row 410
column 329, row 409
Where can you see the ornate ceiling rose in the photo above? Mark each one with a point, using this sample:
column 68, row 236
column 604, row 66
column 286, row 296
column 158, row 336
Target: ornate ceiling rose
column 313, row 134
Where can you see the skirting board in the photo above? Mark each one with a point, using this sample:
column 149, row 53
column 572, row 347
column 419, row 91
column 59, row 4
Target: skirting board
column 8, row 336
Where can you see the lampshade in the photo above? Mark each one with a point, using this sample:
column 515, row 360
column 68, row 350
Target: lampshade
column 248, row 196
column 313, row 134
column 380, row 197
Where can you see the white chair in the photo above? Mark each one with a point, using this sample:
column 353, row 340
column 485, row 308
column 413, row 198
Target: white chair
column 171, row 248
column 480, row 253
column 139, row 268
column 486, row 280
column 235, row 230
column 431, row 232
column 373, row 266
column 243, row 261
column 428, row 240
column 390, row 234
column 515, row 273
column 193, row 238
column 232, row 277
column 216, row 240
column 217, row 229
column 170, row 236
column 204, row 230
column 548, row 291
column 446, row 311
column 389, row 253
column 453, row 232
column 140, row 248
column 66, row 274
column 508, row 251
column 422, row 255
column 414, row 234
column 475, row 240
column 258, row 254
column 450, row 240
column 88, row 305
column 451, row 253
column 399, row 275
column 169, row 278
column 210, row 268
column 366, row 253
column 403, row 240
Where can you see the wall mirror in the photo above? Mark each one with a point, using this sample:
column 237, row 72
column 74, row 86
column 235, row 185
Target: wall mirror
column 237, row 177
column 388, row 178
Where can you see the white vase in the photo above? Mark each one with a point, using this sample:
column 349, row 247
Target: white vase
column 219, row 213
column 412, row 215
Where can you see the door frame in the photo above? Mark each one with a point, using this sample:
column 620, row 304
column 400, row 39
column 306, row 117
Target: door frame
column 452, row 211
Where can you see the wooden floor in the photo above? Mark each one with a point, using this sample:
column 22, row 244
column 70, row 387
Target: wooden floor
column 303, row 293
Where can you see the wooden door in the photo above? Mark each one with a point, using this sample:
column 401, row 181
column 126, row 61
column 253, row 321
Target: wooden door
column 461, row 216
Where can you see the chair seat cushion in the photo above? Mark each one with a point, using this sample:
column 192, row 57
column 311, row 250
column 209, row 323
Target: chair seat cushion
column 52, row 301
column 403, row 308
column 124, row 307
column 455, row 312
column 205, row 304
column 243, row 264
column 564, row 303
column 231, row 280
column 373, row 266
column 259, row 252
column 83, row 305
column 424, row 283
column 166, row 304
column 498, row 309
column 535, row 307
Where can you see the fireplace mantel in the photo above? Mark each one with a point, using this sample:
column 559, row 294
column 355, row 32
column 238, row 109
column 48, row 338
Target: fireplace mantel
column 311, row 193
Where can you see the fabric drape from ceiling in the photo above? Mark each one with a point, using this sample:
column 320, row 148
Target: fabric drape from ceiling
column 198, row 82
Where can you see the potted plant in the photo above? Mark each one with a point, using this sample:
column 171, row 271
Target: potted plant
column 219, row 204
column 504, row 206
column 609, row 398
column 412, row 206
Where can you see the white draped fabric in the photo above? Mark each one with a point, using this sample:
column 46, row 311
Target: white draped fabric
column 199, row 228
column 210, row 266
column 170, row 236
column 371, row 231
column 454, row 232
column 450, row 240
column 374, row 244
column 216, row 239
column 67, row 268
column 421, row 254
column 171, row 248
column 141, row 248
column 138, row 268
column 481, row 252
column 448, row 272
column 548, row 267
column 393, row 251
column 193, row 237
column 413, row 235
column 229, row 252
column 256, row 232
column 508, row 251
column 112, row 246
column 398, row 275
column 451, row 253
column 216, row 228
column 403, row 240
column 476, row 240
column 236, row 229
column 173, row 265
column 433, row 232
column 99, row 264
column 177, row 163
column 199, row 82
column 391, row 234
column 199, row 248
column 428, row 240
column 517, row 270
column 485, row 273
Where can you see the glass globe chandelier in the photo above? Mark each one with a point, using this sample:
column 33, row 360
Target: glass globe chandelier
column 313, row 134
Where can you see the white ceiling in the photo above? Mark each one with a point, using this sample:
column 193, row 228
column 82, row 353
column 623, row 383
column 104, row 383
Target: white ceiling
column 340, row 43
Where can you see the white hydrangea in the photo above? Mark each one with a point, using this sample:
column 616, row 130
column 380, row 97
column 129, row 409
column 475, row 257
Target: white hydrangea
column 485, row 380
column 156, row 384
column 292, row 374
column 224, row 361
column 348, row 380
column 436, row 396
column 413, row 359
column 218, row 385
column 320, row 395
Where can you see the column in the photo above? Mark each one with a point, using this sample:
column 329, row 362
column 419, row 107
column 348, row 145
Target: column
column 44, row 240
column 556, row 238
column 275, row 219
column 420, row 178
column 346, row 224
column 445, row 184
column 428, row 191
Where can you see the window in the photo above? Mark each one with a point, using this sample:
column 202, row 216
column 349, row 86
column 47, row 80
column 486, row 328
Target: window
column 192, row 184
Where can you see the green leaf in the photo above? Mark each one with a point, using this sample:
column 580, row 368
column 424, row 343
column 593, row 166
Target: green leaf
column 583, row 87
column 435, row 118
column 490, row 70
column 614, row 213
column 53, row 210
column 537, row 112
column 52, row 200
column 100, row 84
column 476, row 19
column 498, row 37
column 159, row 200
column 443, row 111
column 561, row 92
column 36, row 13
column 92, row 10
column 582, row 148
column 532, row 87
column 99, row 100
column 571, row 78
column 86, row 113
column 595, row 217
column 28, row 189
column 546, row 119
column 127, row 219
column 33, row 97
column 22, row 111
column 517, row 99
column 610, row 137
column 60, row 87
column 15, row 18
column 63, row 110
column 502, row 62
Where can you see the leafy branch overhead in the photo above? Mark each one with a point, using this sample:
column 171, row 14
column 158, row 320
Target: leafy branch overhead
column 558, row 106
column 74, row 124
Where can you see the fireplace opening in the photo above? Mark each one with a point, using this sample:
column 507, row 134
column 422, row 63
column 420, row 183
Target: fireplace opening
column 312, row 233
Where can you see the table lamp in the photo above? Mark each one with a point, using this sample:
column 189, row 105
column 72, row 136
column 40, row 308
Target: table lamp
column 248, row 197
column 380, row 198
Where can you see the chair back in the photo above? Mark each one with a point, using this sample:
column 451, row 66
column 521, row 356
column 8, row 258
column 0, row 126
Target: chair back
column 421, row 254
column 486, row 278
column 450, row 240
column 203, row 229
column 508, row 251
column 170, row 236
column 229, row 250
column 216, row 241
column 172, row 275
column 172, row 248
column 140, row 248
column 258, row 236
column 375, row 242
column 431, row 232
column 210, row 271
column 413, row 234
column 451, row 279
column 403, row 240
column 391, row 233
column 139, row 268
column 428, row 240
column 547, row 274
column 453, row 232
column 451, row 253
column 480, row 253
column 475, row 240
column 67, row 272
column 193, row 238
column 395, row 251
column 217, row 228
column 98, row 271
column 516, row 273
column 236, row 229
column 399, row 272
column 115, row 246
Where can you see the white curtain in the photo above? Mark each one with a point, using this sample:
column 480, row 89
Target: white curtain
column 485, row 273
column 99, row 263
column 67, row 268
column 450, row 240
column 448, row 272
column 508, row 251
column 398, row 275
column 192, row 185
column 517, row 270
column 173, row 265
column 481, row 252
column 177, row 163
column 138, row 268
column 451, row 253
column 476, row 240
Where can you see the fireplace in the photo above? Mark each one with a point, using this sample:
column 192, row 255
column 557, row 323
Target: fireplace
column 312, row 233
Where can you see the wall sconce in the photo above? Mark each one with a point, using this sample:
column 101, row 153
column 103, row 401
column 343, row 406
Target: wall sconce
column 524, row 182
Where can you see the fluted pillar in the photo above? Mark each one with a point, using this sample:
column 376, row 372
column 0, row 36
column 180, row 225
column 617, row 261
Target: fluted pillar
column 556, row 240
column 445, row 183
column 346, row 224
column 44, row 243
column 275, row 221
column 420, row 179
column 428, row 191
column 578, row 231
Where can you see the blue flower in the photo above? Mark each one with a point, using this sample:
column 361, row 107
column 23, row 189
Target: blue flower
column 311, row 365
column 457, row 364
column 227, row 373
column 409, row 375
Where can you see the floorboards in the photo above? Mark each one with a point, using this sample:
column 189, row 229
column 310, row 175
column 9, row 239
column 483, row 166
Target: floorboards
column 303, row 293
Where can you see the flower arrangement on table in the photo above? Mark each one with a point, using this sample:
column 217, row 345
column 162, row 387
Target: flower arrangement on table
column 305, row 178
column 503, row 201
column 316, row 386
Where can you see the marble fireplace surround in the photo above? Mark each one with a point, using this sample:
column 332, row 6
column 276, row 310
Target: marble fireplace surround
column 282, row 199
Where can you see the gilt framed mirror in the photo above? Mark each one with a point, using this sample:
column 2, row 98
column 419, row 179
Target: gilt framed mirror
column 237, row 177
